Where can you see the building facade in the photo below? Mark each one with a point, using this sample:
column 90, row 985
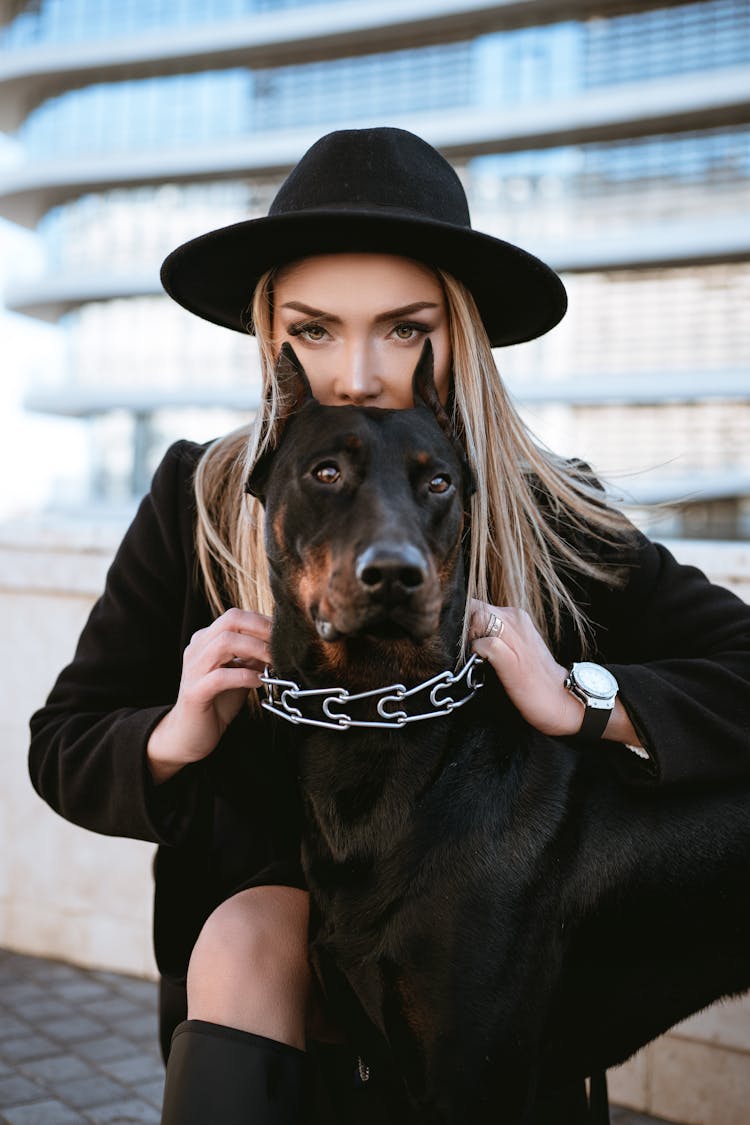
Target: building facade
column 612, row 139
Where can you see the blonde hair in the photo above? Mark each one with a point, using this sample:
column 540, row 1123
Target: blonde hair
column 529, row 508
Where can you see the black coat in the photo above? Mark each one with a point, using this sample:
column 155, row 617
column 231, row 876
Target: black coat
column 678, row 646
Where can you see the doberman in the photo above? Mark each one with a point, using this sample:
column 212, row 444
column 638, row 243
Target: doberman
column 494, row 912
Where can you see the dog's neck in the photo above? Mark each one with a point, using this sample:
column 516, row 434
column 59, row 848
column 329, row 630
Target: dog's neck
column 379, row 770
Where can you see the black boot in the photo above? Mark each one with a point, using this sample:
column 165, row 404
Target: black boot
column 221, row 1076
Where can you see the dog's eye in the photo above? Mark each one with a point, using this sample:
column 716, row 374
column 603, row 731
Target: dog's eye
column 440, row 483
column 327, row 472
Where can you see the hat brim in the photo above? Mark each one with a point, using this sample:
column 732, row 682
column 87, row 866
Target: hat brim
column 215, row 275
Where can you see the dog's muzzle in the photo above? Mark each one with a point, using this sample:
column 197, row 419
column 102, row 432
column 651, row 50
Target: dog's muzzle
column 387, row 587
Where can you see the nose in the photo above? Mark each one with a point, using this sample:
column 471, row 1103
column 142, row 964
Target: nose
column 357, row 380
column 391, row 571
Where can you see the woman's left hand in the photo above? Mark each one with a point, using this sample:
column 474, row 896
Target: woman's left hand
column 526, row 668
column 531, row 676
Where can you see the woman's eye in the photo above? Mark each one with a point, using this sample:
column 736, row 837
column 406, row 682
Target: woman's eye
column 408, row 331
column 440, row 483
column 311, row 332
column 327, row 473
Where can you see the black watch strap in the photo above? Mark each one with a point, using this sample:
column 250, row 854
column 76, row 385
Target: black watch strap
column 595, row 720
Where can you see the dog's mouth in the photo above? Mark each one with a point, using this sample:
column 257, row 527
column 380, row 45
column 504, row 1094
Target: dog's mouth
column 326, row 630
column 398, row 624
column 385, row 630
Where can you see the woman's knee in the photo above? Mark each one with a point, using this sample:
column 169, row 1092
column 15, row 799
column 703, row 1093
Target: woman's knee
column 262, row 930
column 250, row 966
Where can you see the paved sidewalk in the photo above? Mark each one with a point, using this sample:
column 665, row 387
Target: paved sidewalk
column 76, row 1046
column 80, row 1046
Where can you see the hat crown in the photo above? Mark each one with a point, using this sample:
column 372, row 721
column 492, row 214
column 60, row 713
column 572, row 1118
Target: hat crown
column 388, row 168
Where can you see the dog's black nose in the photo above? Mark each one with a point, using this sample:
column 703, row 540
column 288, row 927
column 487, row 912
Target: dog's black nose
column 386, row 568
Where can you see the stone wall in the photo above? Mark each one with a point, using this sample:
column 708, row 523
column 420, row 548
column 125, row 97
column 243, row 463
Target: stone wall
column 64, row 892
column 67, row 893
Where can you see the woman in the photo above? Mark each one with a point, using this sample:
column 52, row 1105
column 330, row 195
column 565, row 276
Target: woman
column 367, row 252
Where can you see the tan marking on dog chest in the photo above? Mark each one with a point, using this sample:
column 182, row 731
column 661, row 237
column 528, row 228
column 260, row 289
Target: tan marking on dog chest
column 332, row 657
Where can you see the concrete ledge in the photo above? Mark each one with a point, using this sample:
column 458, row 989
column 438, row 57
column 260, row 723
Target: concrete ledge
column 728, row 564
column 702, row 1079
column 54, row 572
column 72, row 895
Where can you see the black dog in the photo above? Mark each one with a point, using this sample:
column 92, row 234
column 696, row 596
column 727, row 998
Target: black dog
column 494, row 912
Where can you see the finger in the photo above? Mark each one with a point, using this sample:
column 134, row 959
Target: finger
column 221, row 680
column 487, row 620
column 252, row 665
column 487, row 647
column 229, row 679
column 243, row 621
column 230, row 647
column 479, row 615
column 236, row 621
column 246, row 651
column 503, row 645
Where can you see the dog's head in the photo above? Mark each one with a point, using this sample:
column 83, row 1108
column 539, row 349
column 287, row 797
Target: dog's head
column 364, row 518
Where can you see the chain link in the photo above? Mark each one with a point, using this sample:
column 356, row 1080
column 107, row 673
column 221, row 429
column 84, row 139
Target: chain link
column 284, row 695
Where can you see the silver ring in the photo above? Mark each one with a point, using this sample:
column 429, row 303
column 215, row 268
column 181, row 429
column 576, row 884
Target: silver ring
column 495, row 626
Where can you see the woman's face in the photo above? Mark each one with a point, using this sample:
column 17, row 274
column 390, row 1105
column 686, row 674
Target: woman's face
column 358, row 322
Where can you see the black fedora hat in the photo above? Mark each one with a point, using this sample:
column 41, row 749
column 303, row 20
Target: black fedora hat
column 383, row 190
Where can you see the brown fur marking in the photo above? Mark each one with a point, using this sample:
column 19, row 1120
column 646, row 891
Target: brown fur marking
column 278, row 528
column 313, row 577
column 416, row 1015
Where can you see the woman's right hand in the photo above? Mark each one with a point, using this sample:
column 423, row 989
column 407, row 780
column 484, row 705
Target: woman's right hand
column 220, row 666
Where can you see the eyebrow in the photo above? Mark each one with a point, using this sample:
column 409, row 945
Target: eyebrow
column 391, row 314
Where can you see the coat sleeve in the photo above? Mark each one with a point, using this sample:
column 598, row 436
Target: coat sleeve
column 679, row 647
column 88, row 743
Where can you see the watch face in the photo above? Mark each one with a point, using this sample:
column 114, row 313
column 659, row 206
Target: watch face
column 595, row 680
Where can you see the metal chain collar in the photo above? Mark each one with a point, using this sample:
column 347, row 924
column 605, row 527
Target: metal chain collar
column 286, row 699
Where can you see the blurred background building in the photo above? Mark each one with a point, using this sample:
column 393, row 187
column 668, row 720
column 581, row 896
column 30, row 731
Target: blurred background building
column 610, row 137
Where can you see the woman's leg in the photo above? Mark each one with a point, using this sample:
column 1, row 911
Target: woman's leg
column 250, row 968
column 239, row 1057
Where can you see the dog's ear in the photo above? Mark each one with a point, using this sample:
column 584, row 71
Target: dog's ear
column 424, row 390
column 292, row 390
column 292, row 384
column 425, row 394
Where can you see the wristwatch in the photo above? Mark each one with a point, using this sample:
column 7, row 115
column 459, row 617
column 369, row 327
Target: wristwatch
column 596, row 688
